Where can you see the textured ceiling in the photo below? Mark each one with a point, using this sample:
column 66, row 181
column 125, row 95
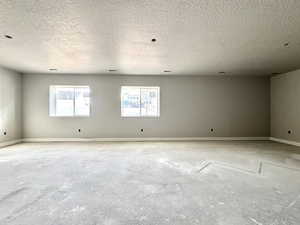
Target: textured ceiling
column 194, row 37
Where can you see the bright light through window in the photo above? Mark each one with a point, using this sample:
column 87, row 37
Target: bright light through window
column 140, row 101
column 69, row 101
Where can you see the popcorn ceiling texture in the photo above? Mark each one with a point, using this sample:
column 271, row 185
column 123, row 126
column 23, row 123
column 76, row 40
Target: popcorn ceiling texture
column 194, row 37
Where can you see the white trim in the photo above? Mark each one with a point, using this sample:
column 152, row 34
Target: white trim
column 284, row 141
column 7, row 143
column 145, row 139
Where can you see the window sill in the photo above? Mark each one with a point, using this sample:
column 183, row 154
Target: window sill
column 141, row 117
column 69, row 116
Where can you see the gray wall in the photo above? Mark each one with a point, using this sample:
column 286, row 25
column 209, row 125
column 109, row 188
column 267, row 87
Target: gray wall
column 285, row 106
column 10, row 105
column 190, row 106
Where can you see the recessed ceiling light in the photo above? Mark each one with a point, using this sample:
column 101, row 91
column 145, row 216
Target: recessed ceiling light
column 52, row 69
column 8, row 36
column 286, row 44
column 153, row 40
column 222, row 72
column 112, row 70
column 167, row 71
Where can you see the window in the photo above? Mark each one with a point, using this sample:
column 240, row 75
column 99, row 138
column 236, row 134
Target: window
column 69, row 101
column 140, row 101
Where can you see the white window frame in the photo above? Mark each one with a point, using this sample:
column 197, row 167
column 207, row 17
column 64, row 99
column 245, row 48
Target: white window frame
column 141, row 87
column 68, row 86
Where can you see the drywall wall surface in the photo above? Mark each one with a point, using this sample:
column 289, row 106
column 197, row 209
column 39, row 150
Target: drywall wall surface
column 10, row 105
column 285, row 106
column 190, row 107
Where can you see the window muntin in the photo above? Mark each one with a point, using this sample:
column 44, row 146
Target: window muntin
column 140, row 101
column 69, row 101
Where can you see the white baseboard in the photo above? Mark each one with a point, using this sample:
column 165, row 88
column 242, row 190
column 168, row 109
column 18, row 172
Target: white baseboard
column 285, row 141
column 7, row 143
column 145, row 139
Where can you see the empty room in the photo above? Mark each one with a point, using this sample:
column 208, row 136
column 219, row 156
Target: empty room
column 139, row 112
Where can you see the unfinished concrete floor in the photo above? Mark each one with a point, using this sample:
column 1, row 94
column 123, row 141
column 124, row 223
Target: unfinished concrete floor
column 152, row 183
